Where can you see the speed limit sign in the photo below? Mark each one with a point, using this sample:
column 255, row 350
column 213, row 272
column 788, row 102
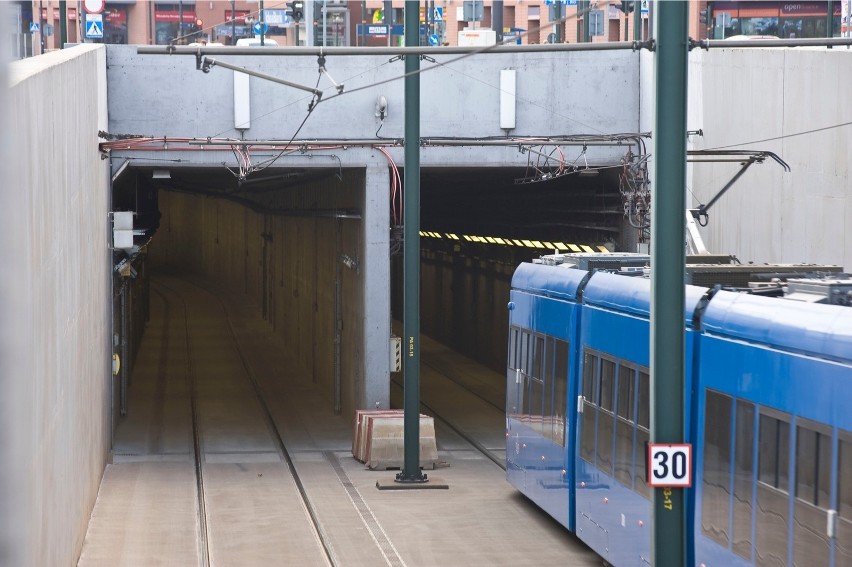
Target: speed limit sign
column 670, row 465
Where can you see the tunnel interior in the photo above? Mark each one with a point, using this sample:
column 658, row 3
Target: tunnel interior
column 291, row 238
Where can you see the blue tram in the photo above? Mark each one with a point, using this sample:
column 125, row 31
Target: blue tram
column 769, row 413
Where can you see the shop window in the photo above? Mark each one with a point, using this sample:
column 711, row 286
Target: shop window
column 175, row 22
column 115, row 24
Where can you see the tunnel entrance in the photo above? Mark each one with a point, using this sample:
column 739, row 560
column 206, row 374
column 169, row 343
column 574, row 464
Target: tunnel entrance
column 293, row 240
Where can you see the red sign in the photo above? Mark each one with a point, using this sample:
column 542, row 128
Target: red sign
column 174, row 16
column 239, row 16
column 70, row 12
column 93, row 6
column 116, row 16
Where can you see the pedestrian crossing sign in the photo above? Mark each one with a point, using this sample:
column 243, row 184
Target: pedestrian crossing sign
column 94, row 26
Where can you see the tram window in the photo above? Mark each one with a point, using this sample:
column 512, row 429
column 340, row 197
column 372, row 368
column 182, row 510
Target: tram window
column 514, row 387
column 823, row 495
column 547, row 372
column 607, row 383
column 641, row 484
column 811, row 545
column 743, row 483
column 587, row 443
column 772, row 513
column 644, row 400
column 813, row 467
column 626, row 386
column 773, row 457
column 624, row 425
column 844, row 477
column 643, row 412
column 590, row 366
column 512, row 357
column 715, row 504
column 523, row 351
column 560, row 391
column 538, row 358
column 534, row 413
column 606, row 418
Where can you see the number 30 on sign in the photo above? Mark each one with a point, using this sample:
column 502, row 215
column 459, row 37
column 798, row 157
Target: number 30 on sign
column 670, row 465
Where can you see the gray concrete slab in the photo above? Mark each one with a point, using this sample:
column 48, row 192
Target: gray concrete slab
column 254, row 517
column 145, row 514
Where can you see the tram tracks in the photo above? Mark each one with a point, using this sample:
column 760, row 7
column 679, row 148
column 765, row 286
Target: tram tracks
column 452, row 422
column 204, row 543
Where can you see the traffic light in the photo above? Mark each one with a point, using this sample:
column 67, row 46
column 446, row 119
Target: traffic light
column 627, row 6
column 297, row 10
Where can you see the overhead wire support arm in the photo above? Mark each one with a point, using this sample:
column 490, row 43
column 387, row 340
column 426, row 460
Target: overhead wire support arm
column 323, row 71
column 700, row 214
column 207, row 63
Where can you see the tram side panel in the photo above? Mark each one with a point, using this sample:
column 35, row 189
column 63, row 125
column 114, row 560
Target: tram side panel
column 613, row 512
column 774, row 472
column 541, row 382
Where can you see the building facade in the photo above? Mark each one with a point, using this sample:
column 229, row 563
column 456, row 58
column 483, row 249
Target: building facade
column 379, row 23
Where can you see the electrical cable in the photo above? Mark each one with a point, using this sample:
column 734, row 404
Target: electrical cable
column 268, row 162
column 298, row 100
column 785, row 136
column 484, row 49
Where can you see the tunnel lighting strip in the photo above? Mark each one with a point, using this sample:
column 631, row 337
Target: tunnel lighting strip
column 537, row 244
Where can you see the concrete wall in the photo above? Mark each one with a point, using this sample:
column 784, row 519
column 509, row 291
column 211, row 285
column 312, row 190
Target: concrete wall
column 55, row 378
column 557, row 93
column 464, row 304
column 300, row 259
column 742, row 96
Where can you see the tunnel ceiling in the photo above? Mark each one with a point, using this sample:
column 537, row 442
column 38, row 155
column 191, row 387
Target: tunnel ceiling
column 480, row 201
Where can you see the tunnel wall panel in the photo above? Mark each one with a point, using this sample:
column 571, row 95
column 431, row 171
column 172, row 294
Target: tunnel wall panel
column 224, row 240
column 463, row 303
column 55, row 344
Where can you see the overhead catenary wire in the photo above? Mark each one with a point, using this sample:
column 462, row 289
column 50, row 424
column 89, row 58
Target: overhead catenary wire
column 784, row 136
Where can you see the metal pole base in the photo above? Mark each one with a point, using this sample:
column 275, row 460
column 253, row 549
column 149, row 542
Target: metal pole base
column 402, row 483
column 416, row 477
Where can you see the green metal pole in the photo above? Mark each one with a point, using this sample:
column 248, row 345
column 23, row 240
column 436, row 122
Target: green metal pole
column 557, row 29
column 63, row 24
column 411, row 266
column 667, row 271
column 829, row 22
column 637, row 21
column 587, row 14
